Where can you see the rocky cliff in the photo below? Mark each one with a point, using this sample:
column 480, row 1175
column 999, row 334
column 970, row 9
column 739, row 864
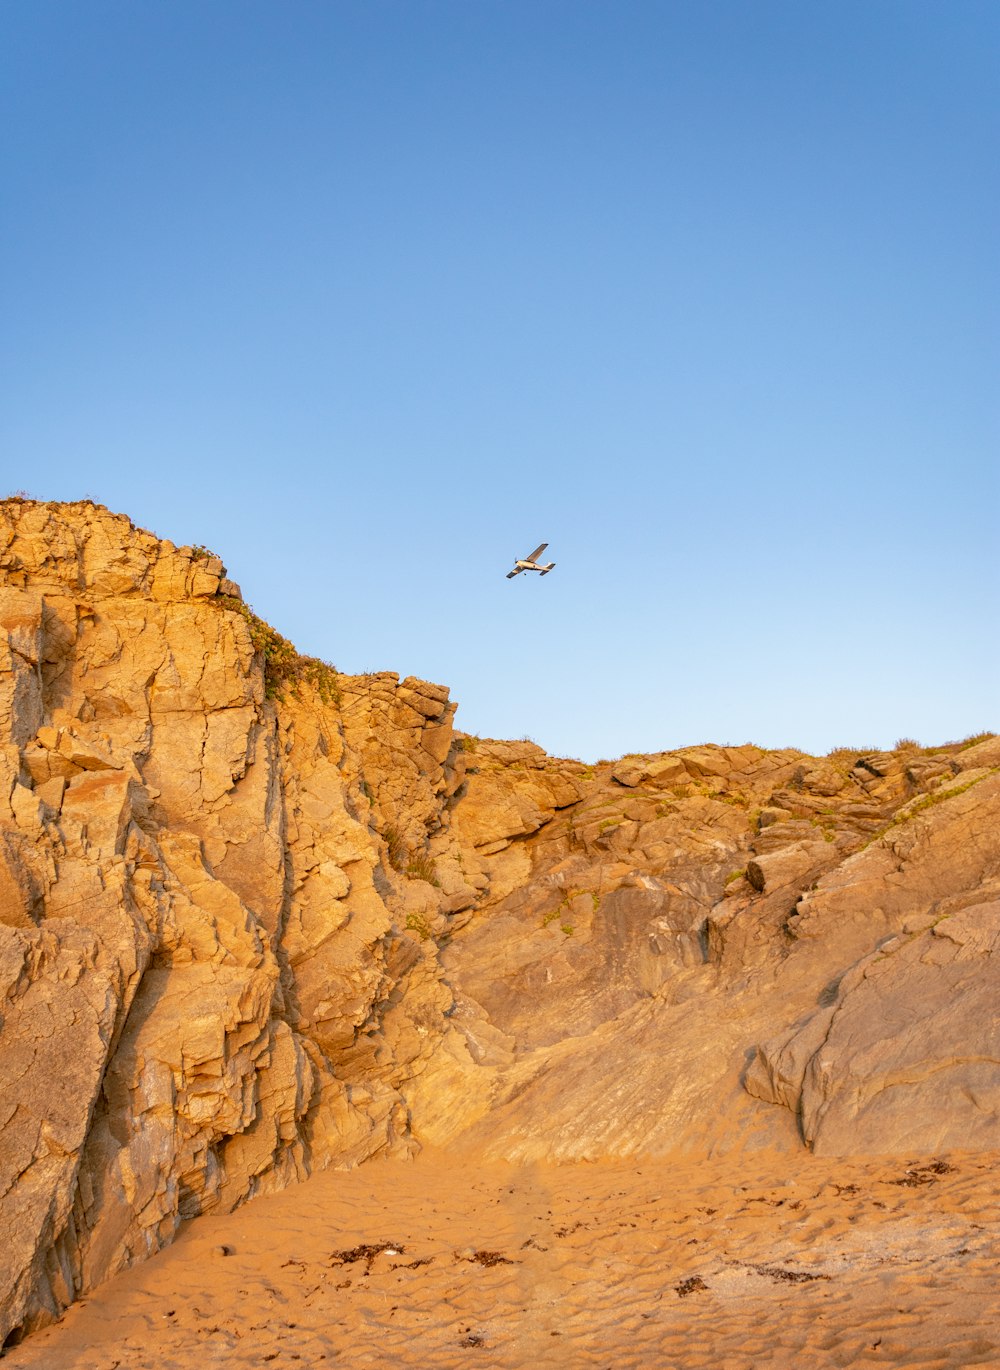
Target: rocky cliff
column 258, row 917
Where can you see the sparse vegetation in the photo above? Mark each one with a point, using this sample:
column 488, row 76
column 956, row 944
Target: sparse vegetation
column 736, row 875
column 416, row 922
column 563, row 906
column 849, row 755
column 321, row 676
column 827, row 830
column 421, row 867
column 929, row 801
column 974, row 740
column 280, row 657
column 395, row 847
column 842, row 755
column 286, row 669
column 200, row 553
column 414, row 865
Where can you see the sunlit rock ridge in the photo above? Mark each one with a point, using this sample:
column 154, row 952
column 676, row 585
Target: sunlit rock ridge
column 258, row 917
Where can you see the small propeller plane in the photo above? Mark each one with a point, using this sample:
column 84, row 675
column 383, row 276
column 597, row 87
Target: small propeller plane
column 531, row 563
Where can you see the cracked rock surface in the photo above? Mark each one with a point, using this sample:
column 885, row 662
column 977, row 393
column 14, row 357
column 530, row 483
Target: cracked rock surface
column 252, row 926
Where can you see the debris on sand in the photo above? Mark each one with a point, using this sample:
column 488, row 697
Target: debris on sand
column 366, row 1252
column 689, row 1286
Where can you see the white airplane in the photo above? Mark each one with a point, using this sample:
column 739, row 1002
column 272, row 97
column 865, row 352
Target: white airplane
column 531, row 563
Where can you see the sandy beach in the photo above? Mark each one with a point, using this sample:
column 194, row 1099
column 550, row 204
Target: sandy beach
column 771, row 1260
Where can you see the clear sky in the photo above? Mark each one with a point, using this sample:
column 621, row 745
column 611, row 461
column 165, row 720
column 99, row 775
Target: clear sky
column 372, row 296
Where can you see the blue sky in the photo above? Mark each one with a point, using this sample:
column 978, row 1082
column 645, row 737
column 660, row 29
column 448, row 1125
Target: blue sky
column 373, row 297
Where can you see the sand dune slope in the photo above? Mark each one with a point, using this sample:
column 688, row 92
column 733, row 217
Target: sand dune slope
column 757, row 1263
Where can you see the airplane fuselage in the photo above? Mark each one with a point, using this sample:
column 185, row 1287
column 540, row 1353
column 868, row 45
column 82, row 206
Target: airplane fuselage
column 531, row 563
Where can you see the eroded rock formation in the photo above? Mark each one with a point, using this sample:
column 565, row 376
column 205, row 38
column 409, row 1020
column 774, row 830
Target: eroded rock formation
column 257, row 917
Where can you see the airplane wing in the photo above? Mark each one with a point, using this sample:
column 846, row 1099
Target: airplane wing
column 537, row 552
column 512, row 574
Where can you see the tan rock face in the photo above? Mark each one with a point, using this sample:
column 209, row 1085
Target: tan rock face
column 909, row 1052
column 255, row 921
column 208, row 982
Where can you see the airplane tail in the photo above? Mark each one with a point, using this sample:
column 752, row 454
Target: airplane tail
column 548, row 568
